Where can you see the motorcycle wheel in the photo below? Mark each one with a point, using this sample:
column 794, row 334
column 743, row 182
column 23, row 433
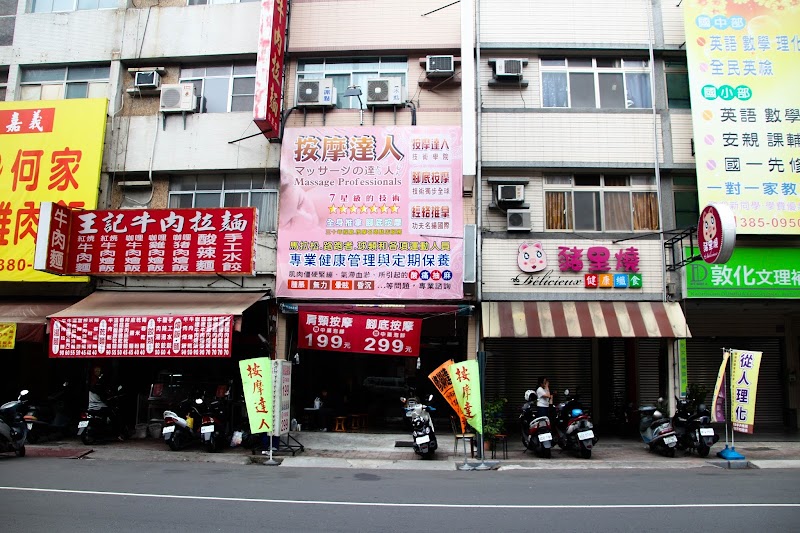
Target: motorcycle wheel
column 586, row 454
column 547, row 453
column 20, row 451
column 671, row 452
column 703, row 449
column 174, row 442
column 86, row 437
column 211, row 445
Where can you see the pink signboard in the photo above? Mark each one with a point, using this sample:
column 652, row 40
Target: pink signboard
column 371, row 213
column 269, row 67
column 380, row 335
column 142, row 336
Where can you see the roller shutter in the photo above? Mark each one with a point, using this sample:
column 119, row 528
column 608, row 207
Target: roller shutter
column 649, row 371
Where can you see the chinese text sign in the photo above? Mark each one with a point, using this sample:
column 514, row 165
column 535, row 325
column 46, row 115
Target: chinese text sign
column 269, row 67
column 257, row 387
column 744, row 382
column 282, row 395
column 50, row 151
column 743, row 64
column 8, row 335
column 720, row 391
column 441, row 380
column 466, row 380
column 373, row 212
column 380, row 335
column 749, row 273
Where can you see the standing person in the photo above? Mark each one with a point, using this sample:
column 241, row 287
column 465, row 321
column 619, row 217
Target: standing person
column 543, row 397
column 98, row 394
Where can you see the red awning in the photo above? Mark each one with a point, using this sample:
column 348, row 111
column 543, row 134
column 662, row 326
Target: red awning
column 30, row 316
column 584, row 319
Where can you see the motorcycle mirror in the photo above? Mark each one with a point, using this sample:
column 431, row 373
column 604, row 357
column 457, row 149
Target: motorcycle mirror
column 24, row 392
column 430, row 397
column 566, row 392
column 403, row 399
column 119, row 388
column 198, row 401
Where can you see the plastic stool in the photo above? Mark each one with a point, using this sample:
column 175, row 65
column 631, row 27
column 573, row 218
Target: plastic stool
column 500, row 440
column 354, row 422
column 340, row 423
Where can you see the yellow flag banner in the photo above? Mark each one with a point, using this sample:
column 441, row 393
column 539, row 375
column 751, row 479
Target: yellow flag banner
column 257, row 387
column 720, row 394
column 8, row 335
column 744, row 382
column 466, row 380
column 441, row 380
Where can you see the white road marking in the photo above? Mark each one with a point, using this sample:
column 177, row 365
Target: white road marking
column 389, row 504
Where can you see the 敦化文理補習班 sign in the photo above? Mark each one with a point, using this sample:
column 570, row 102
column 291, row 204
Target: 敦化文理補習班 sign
column 749, row 273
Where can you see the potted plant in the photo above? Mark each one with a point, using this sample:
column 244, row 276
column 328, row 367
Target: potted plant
column 493, row 423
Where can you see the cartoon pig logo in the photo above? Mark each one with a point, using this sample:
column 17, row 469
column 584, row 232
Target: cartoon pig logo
column 709, row 226
column 531, row 257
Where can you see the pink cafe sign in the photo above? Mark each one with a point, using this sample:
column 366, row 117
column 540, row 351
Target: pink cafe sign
column 371, row 213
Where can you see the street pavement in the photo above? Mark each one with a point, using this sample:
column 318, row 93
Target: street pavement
column 391, row 451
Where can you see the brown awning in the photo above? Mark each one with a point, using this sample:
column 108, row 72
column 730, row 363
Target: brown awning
column 584, row 319
column 30, row 316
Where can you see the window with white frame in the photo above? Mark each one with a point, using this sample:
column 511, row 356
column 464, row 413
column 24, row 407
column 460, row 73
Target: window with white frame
column 601, row 202
column 56, row 6
column 346, row 72
column 229, row 190
column 223, row 88
column 597, row 83
column 64, row 83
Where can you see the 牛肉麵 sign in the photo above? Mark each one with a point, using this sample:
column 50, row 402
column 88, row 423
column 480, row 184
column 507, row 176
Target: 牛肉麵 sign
column 372, row 212
column 380, row 335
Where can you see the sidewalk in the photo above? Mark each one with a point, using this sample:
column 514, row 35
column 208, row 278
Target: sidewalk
column 381, row 450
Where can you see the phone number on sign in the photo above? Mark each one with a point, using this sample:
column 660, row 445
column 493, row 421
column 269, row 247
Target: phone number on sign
column 774, row 222
column 12, row 265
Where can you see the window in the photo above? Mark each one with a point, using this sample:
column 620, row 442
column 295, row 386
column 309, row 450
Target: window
column 687, row 207
column 347, row 72
column 64, row 83
column 605, row 83
column 3, row 84
column 229, row 190
column 598, row 202
column 677, row 77
column 54, row 6
column 223, row 88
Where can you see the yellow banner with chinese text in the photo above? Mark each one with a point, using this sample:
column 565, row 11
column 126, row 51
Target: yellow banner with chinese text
column 744, row 382
column 8, row 335
column 50, row 151
column 441, row 380
column 257, row 387
column 466, row 380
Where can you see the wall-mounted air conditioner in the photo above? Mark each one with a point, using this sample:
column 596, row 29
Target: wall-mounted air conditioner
column 518, row 220
column 178, row 98
column 439, row 66
column 319, row 92
column 385, row 91
column 510, row 193
column 146, row 79
column 509, row 69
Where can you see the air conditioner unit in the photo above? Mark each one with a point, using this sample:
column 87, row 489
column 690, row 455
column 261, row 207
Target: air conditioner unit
column 146, row 79
column 518, row 220
column 178, row 98
column 385, row 91
column 508, row 68
column 510, row 193
column 439, row 66
column 316, row 92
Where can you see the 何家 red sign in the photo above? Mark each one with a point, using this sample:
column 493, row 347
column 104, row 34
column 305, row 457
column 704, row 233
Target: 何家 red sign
column 142, row 336
column 336, row 332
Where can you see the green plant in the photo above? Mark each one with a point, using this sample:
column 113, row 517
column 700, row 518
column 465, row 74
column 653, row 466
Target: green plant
column 493, row 422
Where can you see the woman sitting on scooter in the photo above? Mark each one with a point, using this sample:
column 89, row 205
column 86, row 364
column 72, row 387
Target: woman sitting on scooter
column 543, row 397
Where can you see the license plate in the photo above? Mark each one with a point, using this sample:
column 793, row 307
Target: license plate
column 423, row 439
column 706, row 432
column 583, row 435
column 544, row 437
column 207, row 429
column 30, row 425
column 167, row 430
column 83, row 423
column 672, row 439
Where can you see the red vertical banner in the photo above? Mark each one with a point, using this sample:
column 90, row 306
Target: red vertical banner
column 269, row 67
column 52, row 239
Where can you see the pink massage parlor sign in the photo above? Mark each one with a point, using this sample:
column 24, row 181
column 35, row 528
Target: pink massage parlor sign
column 371, row 212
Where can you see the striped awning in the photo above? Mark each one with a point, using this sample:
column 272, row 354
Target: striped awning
column 584, row 319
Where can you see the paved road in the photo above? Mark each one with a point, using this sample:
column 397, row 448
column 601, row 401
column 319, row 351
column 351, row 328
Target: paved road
column 46, row 495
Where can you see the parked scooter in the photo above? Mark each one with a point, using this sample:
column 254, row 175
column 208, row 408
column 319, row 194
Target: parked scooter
column 180, row 431
column 13, row 432
column 656, row 430
column 95, row 426
column 48, row 417
column 573, row 425
column 693, row 427
column 536, row 434
column 215, row 430
column 421, row 426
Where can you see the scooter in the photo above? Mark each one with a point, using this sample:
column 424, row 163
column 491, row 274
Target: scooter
column 421, row 427
column 656, row 430
column 95, row 426
column 13, row 431
column 693, row 427
column 536, row 434
column 48, row 417
column 214, row 428
column 574, row 427
column 180, row 431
